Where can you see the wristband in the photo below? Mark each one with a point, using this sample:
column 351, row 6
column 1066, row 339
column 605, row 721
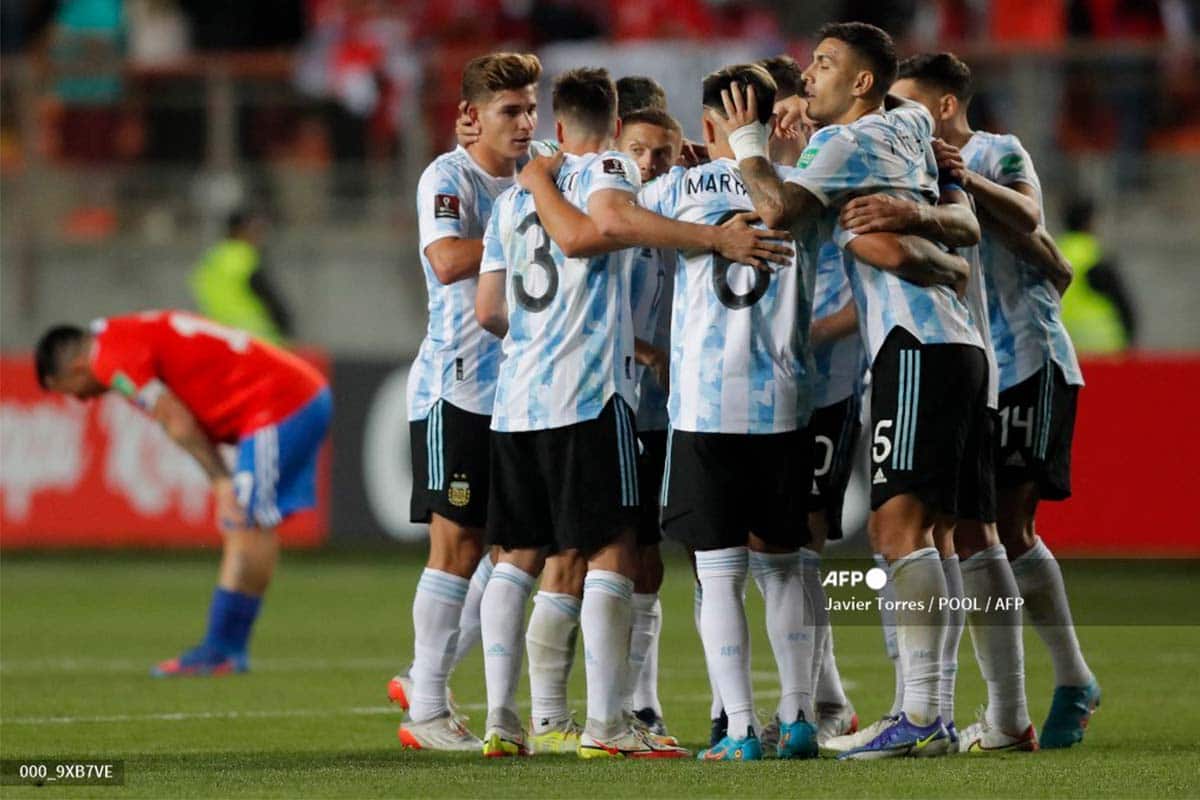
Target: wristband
column 749, row 141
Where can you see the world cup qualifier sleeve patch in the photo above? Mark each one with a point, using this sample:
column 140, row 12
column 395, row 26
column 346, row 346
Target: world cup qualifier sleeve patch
column 445, row 206
column 612, row 166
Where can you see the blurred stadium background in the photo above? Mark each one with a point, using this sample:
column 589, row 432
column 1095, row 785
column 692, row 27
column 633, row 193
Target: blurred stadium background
column 131, row 129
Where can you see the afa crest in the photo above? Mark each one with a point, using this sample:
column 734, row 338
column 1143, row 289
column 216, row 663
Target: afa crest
column 459, row 493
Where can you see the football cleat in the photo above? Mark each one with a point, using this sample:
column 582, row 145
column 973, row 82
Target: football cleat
column 797, row 739
column 651, row 721
column 663, row 738
column 504, row 737
column 398, row 690
column 947, row 746
column 834, row 719
column 981, row 738
column 632, row 743
column 719, row 726
column 903, row 738
column 560, row 738
column 445, row 732
column 201, row 661
column 728, row 749
column 849, row 741
column 1070, row 711
column 769, row 738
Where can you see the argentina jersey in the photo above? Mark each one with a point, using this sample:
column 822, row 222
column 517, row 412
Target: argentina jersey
column 976, row 300
column 569, row 346
column 838, row 366
column 1024, row 309
column 889, row 153
column 458, row 360
column 651, row 285
column 739, row 337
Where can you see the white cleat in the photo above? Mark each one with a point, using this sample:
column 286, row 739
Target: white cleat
column 632, row 743
column 851, row 741
column 440, row 733
column 835, row 720
column 980, row 737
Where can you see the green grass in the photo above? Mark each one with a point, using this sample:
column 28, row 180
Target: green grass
column 77, row 634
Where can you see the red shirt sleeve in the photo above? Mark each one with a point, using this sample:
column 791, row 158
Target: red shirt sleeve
column 123, row 362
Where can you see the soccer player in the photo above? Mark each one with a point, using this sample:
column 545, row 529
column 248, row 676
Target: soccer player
column 1039, row 380
column 209, row 385
column 652, row 138
column 564, row 470
column 839, row 363
column 451, row 388
column 929, row 370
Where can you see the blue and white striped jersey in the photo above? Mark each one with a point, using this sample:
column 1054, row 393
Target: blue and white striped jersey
column 739, row 337
column 653, row 280
column 976, row 300
column 838, row 366
column 889, row 153
column 569, row 346
column 458, row 361
column 1025, row 311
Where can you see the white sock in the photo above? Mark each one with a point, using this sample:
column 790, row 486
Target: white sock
column 817, row 614
column 468, row 623
column 502, row 614
column 920, row 633
column 1040, row 580
column 996, row 638
column 829, row 683
column 715, row 706
column 887, row 619
column 726, row 634
column 780, row 578
column 606, row 621
column 550, row 642
column 436, row 608
column 957, row 619
column 643, row 653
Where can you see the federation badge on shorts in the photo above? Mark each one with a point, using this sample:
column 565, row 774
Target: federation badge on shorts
column 459, row 493
column 445, row 206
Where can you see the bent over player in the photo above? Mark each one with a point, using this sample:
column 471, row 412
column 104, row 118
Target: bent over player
column 208, row 385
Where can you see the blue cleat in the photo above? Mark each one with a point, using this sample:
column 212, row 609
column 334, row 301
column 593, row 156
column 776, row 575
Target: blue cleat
column 719, row 726
column 201, row 660
column 902, row 738
column 797, row 739
column 748, row 749
column 1070, row 711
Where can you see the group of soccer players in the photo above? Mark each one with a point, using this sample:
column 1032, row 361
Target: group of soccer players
column 631, row 335
column 615, row 352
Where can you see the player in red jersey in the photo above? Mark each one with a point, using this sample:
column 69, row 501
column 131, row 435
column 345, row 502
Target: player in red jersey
column 207, row 385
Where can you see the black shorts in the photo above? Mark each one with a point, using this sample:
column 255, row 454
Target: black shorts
column 1037, row 426
column 927, row 402
column 835, row 429
column 651, row 461
column 977, row 477
column 721, row 487
column 450, row 465
column 568, row 488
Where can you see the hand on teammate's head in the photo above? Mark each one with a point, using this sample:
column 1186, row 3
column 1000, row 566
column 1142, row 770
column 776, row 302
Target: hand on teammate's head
column 466, row 129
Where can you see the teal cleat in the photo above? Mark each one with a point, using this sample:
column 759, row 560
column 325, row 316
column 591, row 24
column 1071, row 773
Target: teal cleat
column 1070, row 711
column 797, row 739
column 748, row 749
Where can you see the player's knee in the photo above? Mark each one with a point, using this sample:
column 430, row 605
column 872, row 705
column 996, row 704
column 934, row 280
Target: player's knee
column 650, row 571
column 972, row 536
column 818, row 531
column 565, row 573
column 454, row 548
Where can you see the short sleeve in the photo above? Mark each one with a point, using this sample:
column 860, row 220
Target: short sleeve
column 831, row 167
column 1010, row 163
column 610, row 170
column 661, row 195
column 124, row 363
column 493, row 245
column 442, row 197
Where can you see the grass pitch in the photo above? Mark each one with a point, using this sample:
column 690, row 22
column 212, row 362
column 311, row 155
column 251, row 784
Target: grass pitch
column 78, row 633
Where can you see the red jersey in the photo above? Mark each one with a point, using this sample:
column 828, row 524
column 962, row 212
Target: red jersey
column 233, row 383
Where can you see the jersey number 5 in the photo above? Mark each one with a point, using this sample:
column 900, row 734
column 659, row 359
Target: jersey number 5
column 541, row 258
column 720, row 278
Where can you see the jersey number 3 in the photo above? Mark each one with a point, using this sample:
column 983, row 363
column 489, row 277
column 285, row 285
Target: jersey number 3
column 541, row 258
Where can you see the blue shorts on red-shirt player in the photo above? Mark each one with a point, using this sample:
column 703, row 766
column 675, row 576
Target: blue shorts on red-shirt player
column 277, row 464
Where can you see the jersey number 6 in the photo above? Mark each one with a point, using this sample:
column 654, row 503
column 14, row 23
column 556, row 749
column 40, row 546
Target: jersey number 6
column 720, row 278
column 541, row 258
